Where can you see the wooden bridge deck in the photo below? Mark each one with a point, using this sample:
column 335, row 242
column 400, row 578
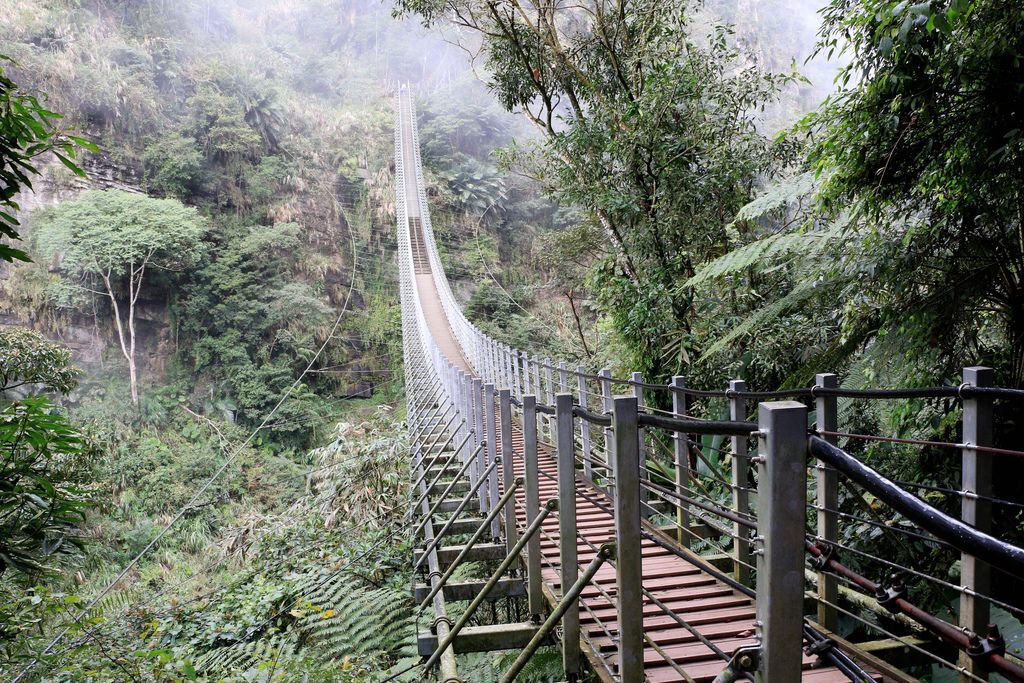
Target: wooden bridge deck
column 720, row 613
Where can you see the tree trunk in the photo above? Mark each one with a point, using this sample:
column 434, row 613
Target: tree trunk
column 127, row 348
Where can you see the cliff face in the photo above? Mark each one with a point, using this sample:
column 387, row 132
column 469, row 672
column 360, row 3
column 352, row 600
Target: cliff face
column 87, row 336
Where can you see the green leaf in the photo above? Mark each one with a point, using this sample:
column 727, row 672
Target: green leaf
column 70, row 164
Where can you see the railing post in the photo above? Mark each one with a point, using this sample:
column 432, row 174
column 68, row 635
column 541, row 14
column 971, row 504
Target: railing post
column 568, row 551
column 741, row 557
column 461, row 383
column 782, row 518
column 638, row 394
column 827, row 480
column 492, row 453
column 510, row 374
column 507, row 465
column 563, row 377
column 628, row 562
column 976, row 478
column 476, row 387
column 581, row 385
column 524, row 375
column 681, row 456
column 531, row 474
column 549, row 397
column 537, row 390
column 609, row 440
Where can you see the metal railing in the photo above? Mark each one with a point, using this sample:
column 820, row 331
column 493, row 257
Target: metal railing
column 688, row 485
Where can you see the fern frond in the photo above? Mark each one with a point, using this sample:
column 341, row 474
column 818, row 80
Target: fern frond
column 778, row 196
column 244, row 656
column 763, row 253
column 798, row 295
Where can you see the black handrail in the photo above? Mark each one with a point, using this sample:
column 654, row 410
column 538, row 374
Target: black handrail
column 958, row 534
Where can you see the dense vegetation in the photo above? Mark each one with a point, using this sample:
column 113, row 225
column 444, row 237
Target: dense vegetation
column 207, row 493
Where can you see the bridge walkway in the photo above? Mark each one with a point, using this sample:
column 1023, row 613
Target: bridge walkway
column 720, row 613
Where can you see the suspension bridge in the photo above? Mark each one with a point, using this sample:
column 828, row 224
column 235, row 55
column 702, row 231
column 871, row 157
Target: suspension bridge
column 573, row 494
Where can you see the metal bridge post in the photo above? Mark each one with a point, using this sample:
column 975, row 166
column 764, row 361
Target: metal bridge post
column 523, row 364
column 741, row 557
column 513, row 373
column 537, row 389
column 628, row 562
column 507, row 465
column 467, row 407
column 532, row 475
column 782, row 518
column 827, row 480
column 609, row 441
column 476, row 387
column 563, row 377
column 581, row 385
column 492, row 453
column 638, row 393
column 681, row 455
column 549, row 398
column 567, row 550
column 977, row 479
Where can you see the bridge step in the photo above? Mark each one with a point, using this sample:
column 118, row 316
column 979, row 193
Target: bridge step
column 452, row 505
column 467, row 590
column 481, row 552
column 460, row 487
column 466, row 525
column 482, row 638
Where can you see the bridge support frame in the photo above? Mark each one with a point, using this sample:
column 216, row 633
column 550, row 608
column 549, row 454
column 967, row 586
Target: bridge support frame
column 629, row 560
column 681, row 458
column 827, row 479
column 568, row 549
column 782, row 474
column 976, row 477
column 532, row 474
column 741, row 557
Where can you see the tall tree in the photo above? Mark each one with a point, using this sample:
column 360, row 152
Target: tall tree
column 104, row 242
column 648, row 124
column 926, row 140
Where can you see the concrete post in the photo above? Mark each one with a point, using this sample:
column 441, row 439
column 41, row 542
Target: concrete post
column 532, row 475
column 508, row 465
column 476, row 389
column 629, row 561
column 609, row 440
column 638, row 394
column 782, row 488
column 581, row 385
column 549, row 398
column 976, row 478
column 568, row 552
column 492, row 453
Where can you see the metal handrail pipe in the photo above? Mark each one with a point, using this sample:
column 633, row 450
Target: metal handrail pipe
column 451, row 437
column 958, row 534
column 437, row 478
column 458, row 511
column 571, row 596
column 530, row 532
column 426, row 433
column 946, row 631
column 592, row 417
column 444, row 495
column 477, row 535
